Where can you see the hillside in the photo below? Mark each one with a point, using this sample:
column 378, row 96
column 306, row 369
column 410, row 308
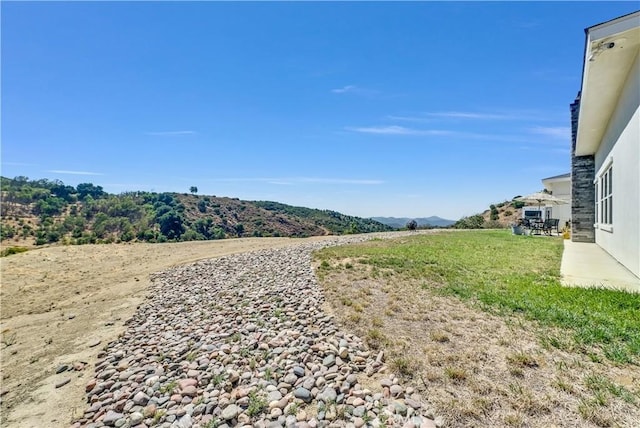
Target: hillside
column 332, row 220
column 503, row 213
column 401, row 222
column 498, row 216
column 38, row 212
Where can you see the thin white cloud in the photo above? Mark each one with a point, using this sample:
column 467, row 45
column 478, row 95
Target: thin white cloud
column 65, row 171
column 495, row 115
column 170, row 133
column 404, row 131
column 560, row 132
column 355, row 90
column 339, row 181
column 344, row 89
column 397, row 130
column 469, row 115
column 409, row 118
column 280, row 183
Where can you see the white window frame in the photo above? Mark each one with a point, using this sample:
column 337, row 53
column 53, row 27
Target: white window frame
column 604, row 197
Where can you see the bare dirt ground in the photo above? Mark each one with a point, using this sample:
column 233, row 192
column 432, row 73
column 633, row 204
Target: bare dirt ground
column 477, row 369
column 61, row 305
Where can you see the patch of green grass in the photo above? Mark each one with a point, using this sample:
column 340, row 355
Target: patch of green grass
column 404, row 366
column 346, row 301
column 563, row 385
column 12, row 250
column 507, row 275
column 550, row 340
column 293, row 409
column 169, row 387
column 268, row 375
column 377, row 322
column 157, row 416
column 354, row 318
column 601, row 386
column 375, row 338
column 522, row 359
column 456, row 374
column 213, row 423
column 257, row 404
column 439, row 336
column 234, row 338
column 217, row 379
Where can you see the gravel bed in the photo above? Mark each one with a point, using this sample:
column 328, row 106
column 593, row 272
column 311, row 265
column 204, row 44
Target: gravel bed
column 242, row 340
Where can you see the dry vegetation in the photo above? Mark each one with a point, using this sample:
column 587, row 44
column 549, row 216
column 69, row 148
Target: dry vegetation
column 475, row 367
column 505, row 214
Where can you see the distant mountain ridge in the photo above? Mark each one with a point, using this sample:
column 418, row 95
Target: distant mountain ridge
column 400, row 222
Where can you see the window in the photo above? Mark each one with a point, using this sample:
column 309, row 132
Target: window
column 604, row 192
column 532, row 214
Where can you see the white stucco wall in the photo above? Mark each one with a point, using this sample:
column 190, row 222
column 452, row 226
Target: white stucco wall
column 621, row 146
column 562, row 190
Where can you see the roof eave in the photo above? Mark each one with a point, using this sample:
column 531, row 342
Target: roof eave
column 601, row 77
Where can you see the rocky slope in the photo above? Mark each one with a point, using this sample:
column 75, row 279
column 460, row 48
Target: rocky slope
column 243, row 341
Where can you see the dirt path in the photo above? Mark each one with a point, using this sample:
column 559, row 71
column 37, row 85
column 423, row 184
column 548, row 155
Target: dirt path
column 61, row 305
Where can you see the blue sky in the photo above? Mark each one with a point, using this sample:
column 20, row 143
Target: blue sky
column 372, row 109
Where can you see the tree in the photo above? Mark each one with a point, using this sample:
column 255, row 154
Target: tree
column 193, row 189
column 412, row 225
column 88, row 189
column 494, row 212
column 473, row 222
column 171, row 224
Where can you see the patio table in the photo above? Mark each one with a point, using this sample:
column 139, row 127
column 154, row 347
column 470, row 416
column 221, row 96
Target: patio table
column 536, row 226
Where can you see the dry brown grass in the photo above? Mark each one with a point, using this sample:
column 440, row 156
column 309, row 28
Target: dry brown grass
column 477, row 369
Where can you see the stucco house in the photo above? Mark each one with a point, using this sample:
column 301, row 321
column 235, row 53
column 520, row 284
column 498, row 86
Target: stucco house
column 605, row 152
column 560, row 187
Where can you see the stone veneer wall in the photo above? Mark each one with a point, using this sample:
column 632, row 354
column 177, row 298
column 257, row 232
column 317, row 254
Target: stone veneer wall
column 583, row 196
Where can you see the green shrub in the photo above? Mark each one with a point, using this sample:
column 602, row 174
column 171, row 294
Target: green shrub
column 7, row 231
column 12, row 250
column 473, row 222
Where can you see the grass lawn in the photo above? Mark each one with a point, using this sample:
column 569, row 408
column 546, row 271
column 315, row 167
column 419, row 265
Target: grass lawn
column 444, row 306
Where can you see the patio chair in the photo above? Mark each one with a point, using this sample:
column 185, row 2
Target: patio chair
column 550, row 225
